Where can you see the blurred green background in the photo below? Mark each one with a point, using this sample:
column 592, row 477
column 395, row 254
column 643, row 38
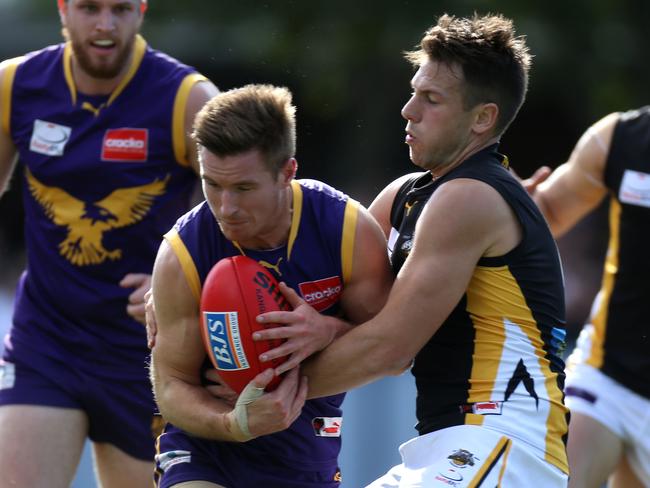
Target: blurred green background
column 342, row 59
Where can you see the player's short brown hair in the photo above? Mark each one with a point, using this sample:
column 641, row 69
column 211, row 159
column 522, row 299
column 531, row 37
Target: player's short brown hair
column 493, row 59
column 252, row 117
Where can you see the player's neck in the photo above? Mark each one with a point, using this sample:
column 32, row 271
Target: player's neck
column 91, row 85
column 476, row 145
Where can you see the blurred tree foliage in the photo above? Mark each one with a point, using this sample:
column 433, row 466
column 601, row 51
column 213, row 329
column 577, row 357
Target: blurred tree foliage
column 342, row 59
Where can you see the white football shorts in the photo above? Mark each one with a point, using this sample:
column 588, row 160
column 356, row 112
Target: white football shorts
column 467, row 456
column 592, row 393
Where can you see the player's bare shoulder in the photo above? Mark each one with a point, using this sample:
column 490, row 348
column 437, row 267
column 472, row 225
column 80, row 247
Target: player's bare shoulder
column 381, row 206
column 482, row 219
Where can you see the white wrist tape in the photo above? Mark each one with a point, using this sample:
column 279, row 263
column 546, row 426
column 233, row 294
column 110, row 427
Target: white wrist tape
column 247, row 396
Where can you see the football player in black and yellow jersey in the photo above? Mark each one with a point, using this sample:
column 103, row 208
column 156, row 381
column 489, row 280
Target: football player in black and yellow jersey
column 478, row 301
column 608, row 374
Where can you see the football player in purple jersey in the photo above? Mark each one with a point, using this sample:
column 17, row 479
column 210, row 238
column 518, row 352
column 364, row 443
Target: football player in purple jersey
column 101, row 126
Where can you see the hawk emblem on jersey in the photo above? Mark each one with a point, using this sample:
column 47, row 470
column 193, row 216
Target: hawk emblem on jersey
column 86, row 222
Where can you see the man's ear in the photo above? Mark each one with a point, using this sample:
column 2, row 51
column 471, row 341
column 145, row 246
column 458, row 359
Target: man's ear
column 63, row 10
column 288, row 171
column 486, row 117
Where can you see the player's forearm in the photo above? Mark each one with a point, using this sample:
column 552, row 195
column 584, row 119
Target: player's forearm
column 560, row 214
column 340, row 327
column 546, row 209
column 191, row 408
column 349, row 362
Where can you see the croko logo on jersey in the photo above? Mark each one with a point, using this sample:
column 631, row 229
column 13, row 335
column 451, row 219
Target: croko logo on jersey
column 125, row 145
column 321, row 294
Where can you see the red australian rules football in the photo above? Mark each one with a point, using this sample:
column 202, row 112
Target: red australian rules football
column 236, row 290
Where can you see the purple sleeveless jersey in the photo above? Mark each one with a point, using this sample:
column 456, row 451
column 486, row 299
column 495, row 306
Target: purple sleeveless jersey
column 105, row 177
column 316, row 262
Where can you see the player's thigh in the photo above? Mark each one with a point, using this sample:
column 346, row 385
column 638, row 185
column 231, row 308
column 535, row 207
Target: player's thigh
column 117, row 469
column 196, row 484
column 625, row 477
column 40, row 446
column 591, row 467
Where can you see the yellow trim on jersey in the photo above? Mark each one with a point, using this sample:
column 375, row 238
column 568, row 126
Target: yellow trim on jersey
column 494, row 298
column 504, row 465
column 599, row 320
column 295, row 219
column 178, row 117
column 9, row 66
column 347, row 239
column 502, row 447
column 67, row 72
column 138, row 53
column 186, row 262
column 139, row 49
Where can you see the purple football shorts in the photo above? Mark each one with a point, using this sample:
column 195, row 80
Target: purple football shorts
column 182, row 457
column 120, row 412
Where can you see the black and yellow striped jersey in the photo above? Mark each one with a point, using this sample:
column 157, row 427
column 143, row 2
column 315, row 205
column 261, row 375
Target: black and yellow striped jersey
column 496, row 360
column 617, row 337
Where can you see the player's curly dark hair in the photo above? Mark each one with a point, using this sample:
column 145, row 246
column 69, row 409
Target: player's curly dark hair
column 251, row 117
column 494, row 60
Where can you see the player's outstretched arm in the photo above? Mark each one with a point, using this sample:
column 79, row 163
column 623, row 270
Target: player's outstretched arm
column 577, row 186
column 7, row 149
column 428, row 287
column 178, row 356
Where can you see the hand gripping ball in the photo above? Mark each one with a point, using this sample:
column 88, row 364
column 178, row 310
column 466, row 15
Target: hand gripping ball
column 236, row 290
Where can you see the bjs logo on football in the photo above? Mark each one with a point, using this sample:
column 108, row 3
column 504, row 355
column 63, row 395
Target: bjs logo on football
column 321, row 294
column 125, row 145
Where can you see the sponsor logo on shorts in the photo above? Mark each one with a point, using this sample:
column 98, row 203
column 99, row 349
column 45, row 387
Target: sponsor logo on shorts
column 7, row 375
column 125, row 145
column 166, row 460
column 49, row 138
column 462, row 458
column 322, row 294
column 225, row 340
column 327, row 426
column 458, row 460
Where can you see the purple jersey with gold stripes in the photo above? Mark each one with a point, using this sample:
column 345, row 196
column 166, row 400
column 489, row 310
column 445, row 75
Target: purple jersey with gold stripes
column 105, row 177
column 316, row 262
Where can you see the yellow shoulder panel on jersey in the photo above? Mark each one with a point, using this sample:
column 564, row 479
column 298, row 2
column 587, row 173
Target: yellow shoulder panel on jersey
column 599, row 320
column 347, row 240
column 295, row 218
column 9, row 67
column 178, row 117
column 138, row 53
column 186, row 261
